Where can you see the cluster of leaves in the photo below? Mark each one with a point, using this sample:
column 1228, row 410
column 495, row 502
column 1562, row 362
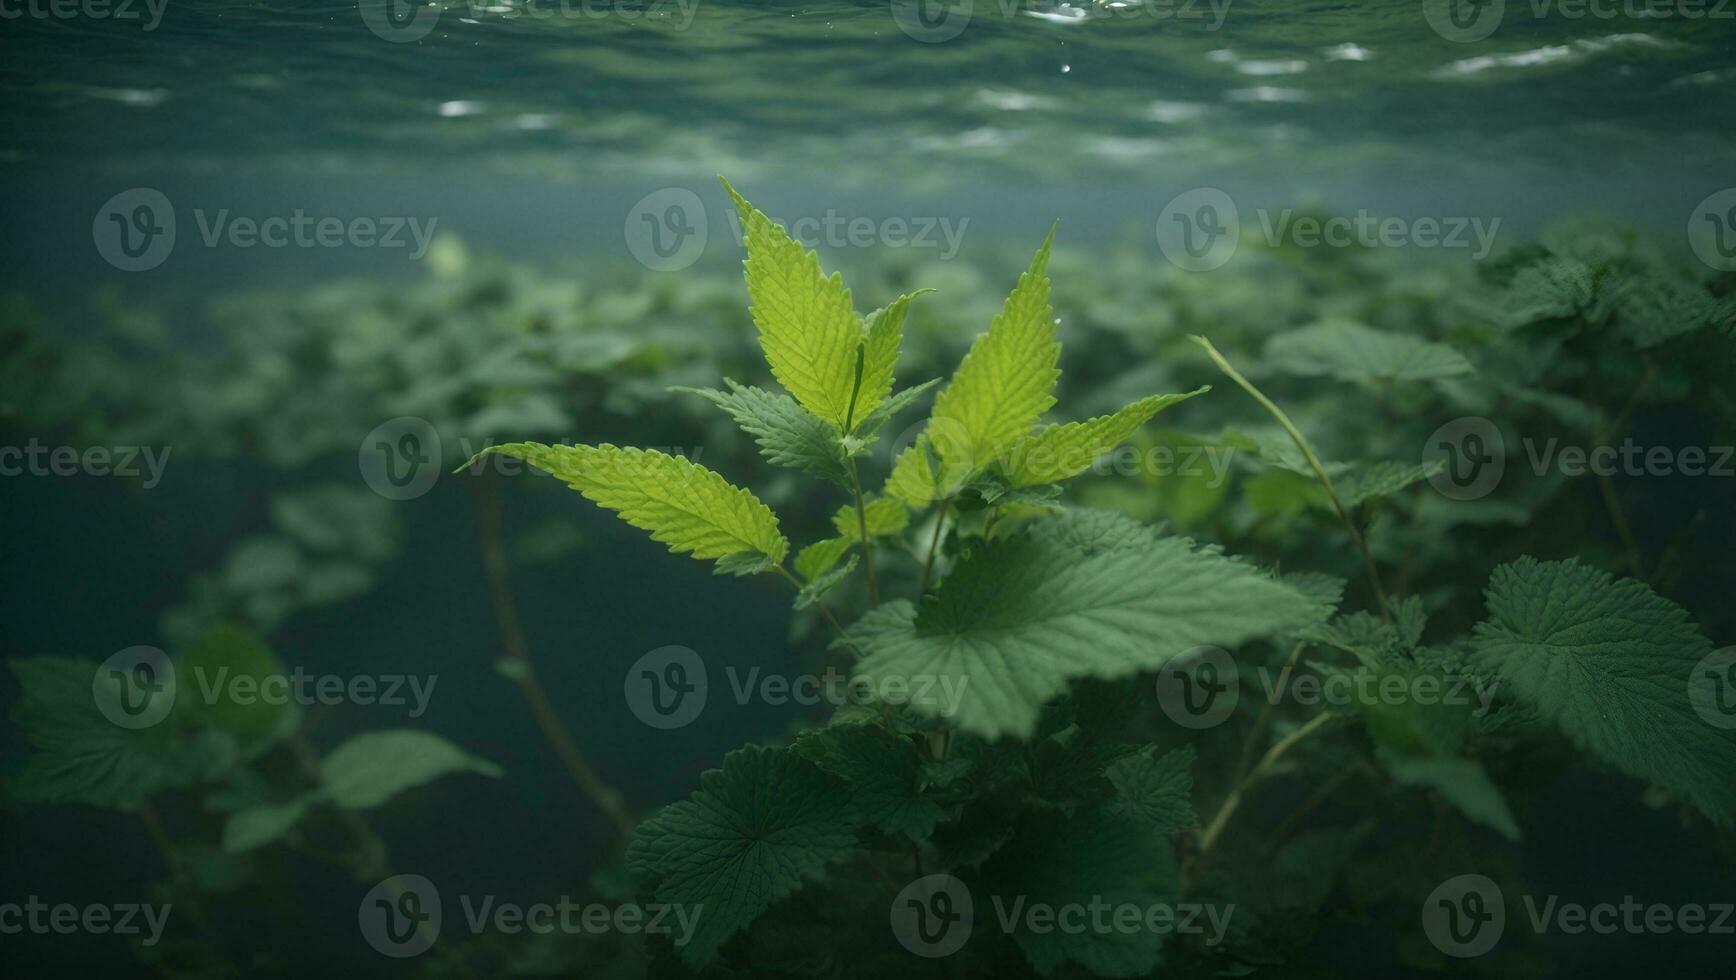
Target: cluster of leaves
column 1035, row 780
column 1050, row 775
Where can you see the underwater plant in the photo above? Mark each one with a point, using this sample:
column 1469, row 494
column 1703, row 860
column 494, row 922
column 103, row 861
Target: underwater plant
column 996, row 755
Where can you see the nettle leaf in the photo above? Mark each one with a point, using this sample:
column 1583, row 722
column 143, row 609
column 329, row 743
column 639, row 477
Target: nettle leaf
column 817, row 558
column 807, row 324
column 786, row 433
column 1004, row 384
column 683, row 505
column 915, row 478
column 1059, row 452
column 754, row 833
column 82, row 757
column 255, row 826
column 886, row 516
column 1462, row 782
column 1158, row 788
column 822, row 583
column 1363, row 482
column 1608, row 661
column 1652, row 310
column 880, row 355
column 1350, row 351
column 371, row 768
column 1089, row 594
column 884, row 773
column 870, row 425
column 1553, row 288
column 1099, row 857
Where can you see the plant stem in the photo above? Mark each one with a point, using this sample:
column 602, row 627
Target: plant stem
column 933, row 546
column 866, row 542
column 1260, row 722
column 516, row 652
column 1231, row 803
column 1313, row 463
column 831, row 620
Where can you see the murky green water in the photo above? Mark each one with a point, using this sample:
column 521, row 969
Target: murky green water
column 284, row 266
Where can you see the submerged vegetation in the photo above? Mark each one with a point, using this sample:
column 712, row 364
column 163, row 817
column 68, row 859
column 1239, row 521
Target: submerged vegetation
column 1300, row 474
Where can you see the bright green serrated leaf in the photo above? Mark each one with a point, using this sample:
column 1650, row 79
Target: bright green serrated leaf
column 807, row 325
column 914, row 479
column 880, row 356
column 1060, row 452
column 817, row 587
column 683, row 505
column 886, row 516
column 816, row 558
column 1004, row 384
